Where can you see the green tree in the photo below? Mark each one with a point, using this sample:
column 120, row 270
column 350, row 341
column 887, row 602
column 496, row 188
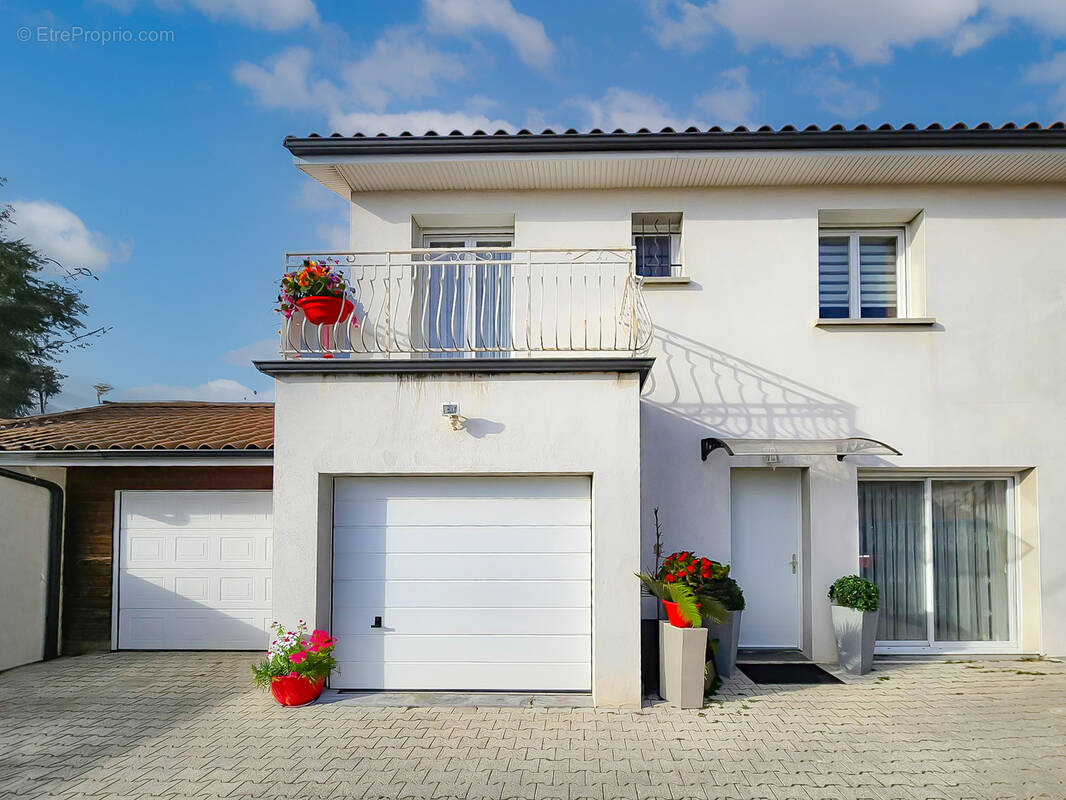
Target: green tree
column 41, row 319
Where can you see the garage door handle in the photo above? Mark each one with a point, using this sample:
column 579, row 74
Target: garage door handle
column 377, row 622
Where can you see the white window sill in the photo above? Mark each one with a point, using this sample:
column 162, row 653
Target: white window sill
column 872, row 322
column 660, row 280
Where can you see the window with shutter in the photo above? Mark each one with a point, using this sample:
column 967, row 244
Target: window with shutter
column 861, row 274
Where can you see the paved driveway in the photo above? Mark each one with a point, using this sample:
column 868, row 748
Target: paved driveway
column 188, row 724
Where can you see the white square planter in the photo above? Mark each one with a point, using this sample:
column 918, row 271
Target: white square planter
column 682, row 661
column 856, row 632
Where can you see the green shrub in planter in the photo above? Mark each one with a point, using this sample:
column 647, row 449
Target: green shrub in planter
column 851, row 591
column 727, row 591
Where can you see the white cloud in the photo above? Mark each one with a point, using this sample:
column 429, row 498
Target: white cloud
column 973, row 35
column 631, row 111
column 731, row 101
column 1052, row 72
column 526, row 34
column 271, row 15
column 400, row 65
column 59, row 233
column 286, row 82
column 262, row 350
column 869, row 32
column 443, row 122
column 687, row 30
column 218, row 390
column 835, row 94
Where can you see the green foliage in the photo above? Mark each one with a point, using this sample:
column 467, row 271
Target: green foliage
column 855, row 592
column 727, row 591
column 295, row 654
column 708, row 609
column 40, row 319
column 687, row 604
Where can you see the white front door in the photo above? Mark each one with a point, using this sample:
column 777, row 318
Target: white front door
column 480, row 583
column 193, row 570
column 766, row 536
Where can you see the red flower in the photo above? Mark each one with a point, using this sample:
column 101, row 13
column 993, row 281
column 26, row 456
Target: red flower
column 670, row 578
column 684, row 555
column 691, row 567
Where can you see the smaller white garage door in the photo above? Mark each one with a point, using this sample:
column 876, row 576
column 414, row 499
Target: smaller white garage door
column 194, row 570
column 479, row 583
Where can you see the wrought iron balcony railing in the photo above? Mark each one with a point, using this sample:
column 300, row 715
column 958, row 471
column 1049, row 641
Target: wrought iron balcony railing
column 493, row 302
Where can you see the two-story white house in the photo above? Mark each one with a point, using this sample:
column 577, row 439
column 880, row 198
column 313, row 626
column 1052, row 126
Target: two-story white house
column 815, row 352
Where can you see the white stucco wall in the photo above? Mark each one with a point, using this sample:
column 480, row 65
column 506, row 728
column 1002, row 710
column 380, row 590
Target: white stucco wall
column 23, row 565
column 737, row 353
column 581, row 424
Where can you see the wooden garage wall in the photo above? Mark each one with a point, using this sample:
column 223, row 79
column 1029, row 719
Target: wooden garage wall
column 88, row 546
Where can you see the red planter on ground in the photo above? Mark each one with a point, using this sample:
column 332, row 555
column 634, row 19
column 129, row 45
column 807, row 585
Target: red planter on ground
column 326, row 310
column 674, row 615
column 296, row 691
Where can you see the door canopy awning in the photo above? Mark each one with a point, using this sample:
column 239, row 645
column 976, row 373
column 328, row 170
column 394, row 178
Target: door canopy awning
column 772, row 449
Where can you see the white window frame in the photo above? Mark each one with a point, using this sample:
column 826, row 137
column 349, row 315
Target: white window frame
column 1014, row 581
column 854, row 278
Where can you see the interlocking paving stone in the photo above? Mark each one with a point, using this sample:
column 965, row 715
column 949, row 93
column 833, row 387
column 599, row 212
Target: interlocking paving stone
column 189, row 725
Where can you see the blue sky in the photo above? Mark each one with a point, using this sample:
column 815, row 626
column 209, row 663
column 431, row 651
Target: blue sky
column 159, row 163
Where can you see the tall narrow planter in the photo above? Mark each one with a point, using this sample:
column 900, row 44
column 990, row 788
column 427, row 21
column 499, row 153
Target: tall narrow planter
column 728, row 636
column 682, row 660
column 856, row 632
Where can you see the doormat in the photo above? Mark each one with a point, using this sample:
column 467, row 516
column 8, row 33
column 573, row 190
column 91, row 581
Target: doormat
column 787, row 673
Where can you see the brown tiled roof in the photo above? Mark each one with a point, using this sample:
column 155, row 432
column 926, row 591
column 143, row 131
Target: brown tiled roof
column 145, row 426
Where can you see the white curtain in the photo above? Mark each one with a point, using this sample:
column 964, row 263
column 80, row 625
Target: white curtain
column 891, row 531
column 970, row 561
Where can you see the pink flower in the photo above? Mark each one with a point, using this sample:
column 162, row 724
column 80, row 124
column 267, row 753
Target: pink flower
column 293, row 675
column 296, row 658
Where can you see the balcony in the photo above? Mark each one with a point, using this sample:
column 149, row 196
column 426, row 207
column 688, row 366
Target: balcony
column 496, row 302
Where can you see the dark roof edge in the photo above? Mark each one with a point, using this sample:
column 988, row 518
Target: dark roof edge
column 1001, row 138
column 8, row 456
column 433, row 366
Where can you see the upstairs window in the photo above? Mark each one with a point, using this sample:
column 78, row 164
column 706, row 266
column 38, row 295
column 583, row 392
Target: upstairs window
column 861, row 273
column 657, row 239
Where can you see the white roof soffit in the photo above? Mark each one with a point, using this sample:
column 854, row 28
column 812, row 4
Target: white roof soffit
column 447, row 172
column 841, row 448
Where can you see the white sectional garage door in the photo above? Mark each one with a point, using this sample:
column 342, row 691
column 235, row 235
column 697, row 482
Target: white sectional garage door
column 194, row 570
column 480, row 583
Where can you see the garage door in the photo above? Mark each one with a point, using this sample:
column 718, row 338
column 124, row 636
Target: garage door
column 194, row 570
column 477, row 583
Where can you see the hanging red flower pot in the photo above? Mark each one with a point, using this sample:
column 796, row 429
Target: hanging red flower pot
column 298, row 691
column 324, row 310
column 674, row 616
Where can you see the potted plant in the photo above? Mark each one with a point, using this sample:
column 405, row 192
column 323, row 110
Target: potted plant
column 727, row 591
column 297, row 665
column 683, row 659
column 855, row 603
column 318, row 291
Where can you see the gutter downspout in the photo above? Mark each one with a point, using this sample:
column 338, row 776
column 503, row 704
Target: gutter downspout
column 55, row 556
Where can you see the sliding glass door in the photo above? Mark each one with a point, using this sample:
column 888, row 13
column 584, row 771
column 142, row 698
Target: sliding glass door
column 941, row 550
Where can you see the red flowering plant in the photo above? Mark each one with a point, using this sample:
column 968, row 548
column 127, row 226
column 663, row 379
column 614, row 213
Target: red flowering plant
column 314, row 280
column 295, row 654
column 691, row 570
column 686, row 579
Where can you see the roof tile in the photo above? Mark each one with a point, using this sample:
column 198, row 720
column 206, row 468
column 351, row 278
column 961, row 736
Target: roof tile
column 145, row 426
